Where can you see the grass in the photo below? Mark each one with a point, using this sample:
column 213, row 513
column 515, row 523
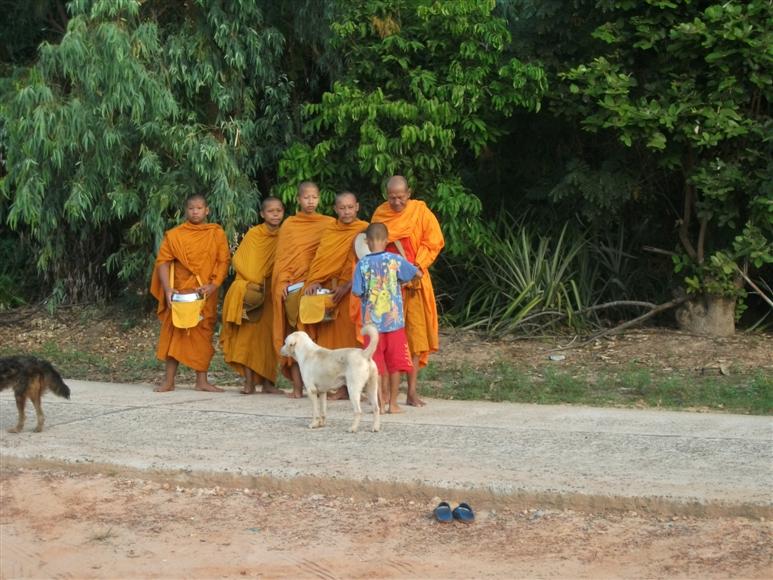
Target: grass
column 628, row 387
column 502, row 380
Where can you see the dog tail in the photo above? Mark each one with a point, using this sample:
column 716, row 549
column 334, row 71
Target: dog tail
column 370, row 331
column 56, row 384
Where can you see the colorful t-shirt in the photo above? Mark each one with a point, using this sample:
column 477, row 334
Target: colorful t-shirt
column 377, row 281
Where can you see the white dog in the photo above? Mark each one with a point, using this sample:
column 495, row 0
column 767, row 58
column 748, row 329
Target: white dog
column 323, row 370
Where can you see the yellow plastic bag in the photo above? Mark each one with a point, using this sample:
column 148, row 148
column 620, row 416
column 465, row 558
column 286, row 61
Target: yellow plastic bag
column 317, row 308
column 186, row 308
column 186, row 314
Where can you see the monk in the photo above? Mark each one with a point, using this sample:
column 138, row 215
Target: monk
column 246, row 337
column 414, row 232
column 332, row 268
column 296, row 246
column 199, row 251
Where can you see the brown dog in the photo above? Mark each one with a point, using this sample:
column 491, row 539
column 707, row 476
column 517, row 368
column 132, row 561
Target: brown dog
column 30, row 377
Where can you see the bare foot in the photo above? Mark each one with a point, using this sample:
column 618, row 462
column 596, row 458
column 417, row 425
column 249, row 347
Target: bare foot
column 209, row 388
column 248, row 390
column 415, row 402
column 340, row 394
column 294, row 395
column 394, row 408
column 165, row 388
column 271, row 390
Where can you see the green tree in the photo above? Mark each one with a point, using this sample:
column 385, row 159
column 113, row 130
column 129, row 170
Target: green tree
column 689, row 83
column 424, row 88
column 114, row 126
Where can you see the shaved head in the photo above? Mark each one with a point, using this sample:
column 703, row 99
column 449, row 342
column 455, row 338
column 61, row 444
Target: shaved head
column 304, row 185
column 345, row 195
column 398, row 193
column 269, row 201
column 196, row 197
column 377, row 233
column 397, row 183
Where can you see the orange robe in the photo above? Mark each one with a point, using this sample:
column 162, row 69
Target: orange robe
column 299, row 237
column 248, row 343
column 417, row 228
column 196, row 249
column 334, row 261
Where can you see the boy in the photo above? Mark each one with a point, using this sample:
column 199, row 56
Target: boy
column 377, row 280
column 199, row 251
column 246, row 339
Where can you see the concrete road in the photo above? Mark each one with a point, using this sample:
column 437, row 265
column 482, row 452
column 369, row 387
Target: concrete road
column 578, row 456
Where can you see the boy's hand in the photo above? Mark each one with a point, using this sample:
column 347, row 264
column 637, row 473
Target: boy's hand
column 206, row 289
column 311, row 288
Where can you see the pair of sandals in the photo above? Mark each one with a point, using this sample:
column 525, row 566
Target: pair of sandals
column 463, row 512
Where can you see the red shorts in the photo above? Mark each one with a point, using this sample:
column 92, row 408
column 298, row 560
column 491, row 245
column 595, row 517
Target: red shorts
column 392, row 355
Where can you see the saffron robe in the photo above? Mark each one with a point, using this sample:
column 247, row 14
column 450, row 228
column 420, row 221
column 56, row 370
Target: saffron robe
column 418, row 230
column 298, row 239
column 249, row 343
column 196, row 249
column 334, row 262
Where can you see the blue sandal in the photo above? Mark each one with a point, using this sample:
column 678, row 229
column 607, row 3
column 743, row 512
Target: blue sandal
column 443, row 513
column 464, row 513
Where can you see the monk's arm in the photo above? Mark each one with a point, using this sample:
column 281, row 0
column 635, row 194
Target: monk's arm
column 312, row 285
column 220, row 271
column 431, row 243
column 163, row 275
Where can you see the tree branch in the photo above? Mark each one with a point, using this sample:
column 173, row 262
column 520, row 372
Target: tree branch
column 658, row 251
column 701, row 253
column 628, row 324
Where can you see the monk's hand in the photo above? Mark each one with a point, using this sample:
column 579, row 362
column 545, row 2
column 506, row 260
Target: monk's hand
column 419, row 274
column 206, row 289
column 312, row 288
column 341, row 291
column 168, row 293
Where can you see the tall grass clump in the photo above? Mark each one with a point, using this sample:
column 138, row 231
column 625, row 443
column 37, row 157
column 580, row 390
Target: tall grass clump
column 524, row 281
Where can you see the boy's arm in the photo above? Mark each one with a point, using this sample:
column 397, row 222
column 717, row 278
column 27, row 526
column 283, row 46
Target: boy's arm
column 406, row 271
column 358, row 283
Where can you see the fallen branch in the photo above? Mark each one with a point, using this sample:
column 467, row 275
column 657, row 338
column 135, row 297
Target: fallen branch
column 628, row 324
column 753, row 285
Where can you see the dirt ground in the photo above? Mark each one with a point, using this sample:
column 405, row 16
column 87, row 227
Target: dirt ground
column 56, row 524
column 112, row 345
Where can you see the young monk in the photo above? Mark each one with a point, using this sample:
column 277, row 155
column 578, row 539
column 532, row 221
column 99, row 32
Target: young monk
column 298, row 240
column 196, row 248
column 377, row 281
column 246, row 338
column 332, row 268
column 415, row 227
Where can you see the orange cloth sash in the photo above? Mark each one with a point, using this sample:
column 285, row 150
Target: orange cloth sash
column 297, row 243
column 335, row 260
column 249, row 344
column 199, row 249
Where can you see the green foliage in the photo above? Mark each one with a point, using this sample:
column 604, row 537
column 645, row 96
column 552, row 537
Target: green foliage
column 690, row 86
column 503, row 380
column 116, row 125
column 524, row 280
column 424, row 83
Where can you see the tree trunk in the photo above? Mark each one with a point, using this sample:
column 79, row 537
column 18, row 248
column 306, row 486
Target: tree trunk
column 708, row 315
